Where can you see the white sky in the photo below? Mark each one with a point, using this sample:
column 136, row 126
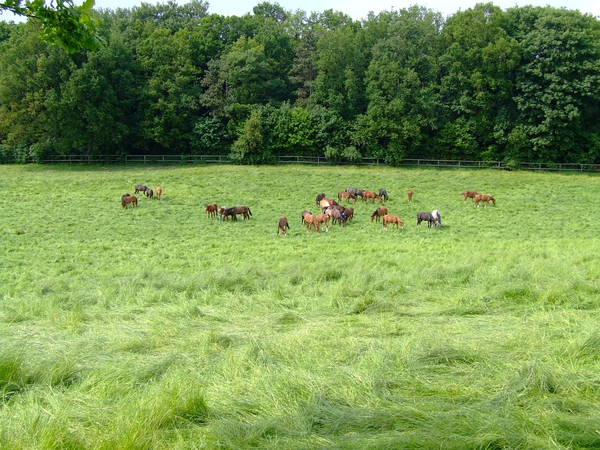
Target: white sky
column 357, row 9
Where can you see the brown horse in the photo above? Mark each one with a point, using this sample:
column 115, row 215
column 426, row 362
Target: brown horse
column 371, row 195
column 349, row 213
column 484, row 198
column 336, row 215
column 311, row 221
column 409, row 193
column 347, row 195
column 394, row 220
column 211, row 210
column 319, row 197
column 282, row 224
column 323, row 219
column 379, row 212
column 304, row 213
column 131, row 199
column 235, row 210
column 159, row 193
column 469, row 194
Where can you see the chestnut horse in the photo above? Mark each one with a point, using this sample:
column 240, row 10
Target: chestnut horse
column 409, row 193
column 211, row 210
column 347, row 195
column 349, row 213
column 425, row 216
column 379, row 212
column 311, row 221
column 131, row 199
column 159, row 192
column 484, row 198
column 323, row 219
column 371, row 195
column 469, row 194
column 282, row 224
column 304, row 213
column 123, row 197
column 394, row 220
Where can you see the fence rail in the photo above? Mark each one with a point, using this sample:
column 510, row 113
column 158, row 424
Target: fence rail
column 319, row 160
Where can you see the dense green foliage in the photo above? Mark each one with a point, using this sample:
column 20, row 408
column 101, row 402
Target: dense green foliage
column 157, row 327
column 488, row 84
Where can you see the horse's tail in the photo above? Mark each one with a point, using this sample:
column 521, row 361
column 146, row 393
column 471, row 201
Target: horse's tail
column 249, row 212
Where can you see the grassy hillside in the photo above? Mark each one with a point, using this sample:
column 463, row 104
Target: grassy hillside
column 159, row 328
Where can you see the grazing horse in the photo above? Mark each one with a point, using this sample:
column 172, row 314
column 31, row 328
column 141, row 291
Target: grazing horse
column 123, row 197
column 379, row 212
column 347, row 195
column 311, row 221
column 323, row 219
column 335, row 214
column 383, row 193
column 235, row 210
column 326, row 203
column 394, row 220
column 140, row 188
column 427, row 217
column 371, row 195
column 304, row 213
column 282, row 224
column 409, row 193
column 319, row 197
column 159, row 192
column 437, row 219
column 131, row 199
column 484, row 198
column 349, row 213
column 211, row 210
column 149, row 192
column 469, row 194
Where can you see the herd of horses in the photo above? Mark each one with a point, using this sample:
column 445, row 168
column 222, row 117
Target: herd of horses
column 331, row 211
column 128, row 199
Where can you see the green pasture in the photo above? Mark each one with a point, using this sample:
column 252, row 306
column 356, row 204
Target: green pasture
column 157, row 327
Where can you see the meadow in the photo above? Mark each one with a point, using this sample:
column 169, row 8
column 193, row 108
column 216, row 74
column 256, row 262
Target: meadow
column 157, row 327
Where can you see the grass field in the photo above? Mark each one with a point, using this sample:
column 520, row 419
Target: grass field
column 158, row 328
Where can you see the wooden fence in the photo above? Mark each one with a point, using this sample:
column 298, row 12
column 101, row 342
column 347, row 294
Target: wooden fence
column 319, row 160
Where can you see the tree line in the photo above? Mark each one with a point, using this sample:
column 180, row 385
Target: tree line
column 520, row 84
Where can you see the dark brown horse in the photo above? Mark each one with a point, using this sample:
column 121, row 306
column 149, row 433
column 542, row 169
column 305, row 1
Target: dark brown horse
column 379, row 212
column 349, row 213
column 319, row 197
column 123, row 196
column 235, row 210
column 129, row 200
column 425, row 216
column 409, row 193
column 394, row 220
column 140, row 188
column 484, row 198
column 469, row 194
column 282, row 224
column 211, row 210
column 371, row 195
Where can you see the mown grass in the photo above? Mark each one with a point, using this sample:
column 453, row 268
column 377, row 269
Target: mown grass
column 158, row 327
